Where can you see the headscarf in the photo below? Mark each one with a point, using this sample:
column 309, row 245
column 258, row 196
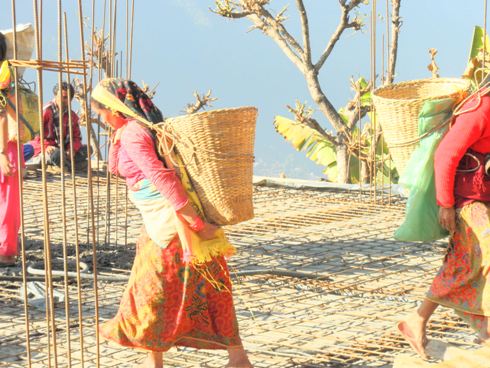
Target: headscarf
column 126, row 97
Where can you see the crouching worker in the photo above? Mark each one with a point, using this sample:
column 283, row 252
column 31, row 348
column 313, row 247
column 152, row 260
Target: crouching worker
column 54, row 144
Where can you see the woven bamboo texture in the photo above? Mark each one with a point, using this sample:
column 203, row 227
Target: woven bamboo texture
column 217, row 148
column 398, row 107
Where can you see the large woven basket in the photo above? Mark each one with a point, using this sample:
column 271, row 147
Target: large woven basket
column 217, row 149
column 398, row 107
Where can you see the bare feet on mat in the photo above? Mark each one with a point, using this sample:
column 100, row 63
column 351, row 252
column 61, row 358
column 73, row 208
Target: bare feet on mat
column 7, row 260
column 413, row 331
column 153, row 360
column 237, row 358
column 482, row 339
column 244, row 364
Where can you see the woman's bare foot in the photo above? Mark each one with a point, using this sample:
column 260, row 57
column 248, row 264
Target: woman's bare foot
column 7, row 260
column 413, row 331
column 237, row 358
column 153, row 360
column 240, row 364
column 482, row 339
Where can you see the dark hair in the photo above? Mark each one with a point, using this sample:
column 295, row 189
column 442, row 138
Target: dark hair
column 64, row 87
column 3, row 47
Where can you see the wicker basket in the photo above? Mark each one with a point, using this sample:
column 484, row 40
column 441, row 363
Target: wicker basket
column 217, row 148
column 398, row 107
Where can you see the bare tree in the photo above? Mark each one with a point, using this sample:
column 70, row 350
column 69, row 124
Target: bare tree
column 300, row 54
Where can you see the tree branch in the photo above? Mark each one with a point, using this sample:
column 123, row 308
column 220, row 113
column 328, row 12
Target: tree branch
column 276, row 22
column 274, row 34
column 343, row 25
column 305, row 31
column 227, row 9
column 395, row 31
column 202, row 101
column 262, row 19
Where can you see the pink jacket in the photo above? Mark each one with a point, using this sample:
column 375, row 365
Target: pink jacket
column 134, row 157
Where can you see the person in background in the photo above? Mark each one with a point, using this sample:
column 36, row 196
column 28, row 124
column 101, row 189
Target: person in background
column 9, row 166
column 54, row 144
column 462, row 174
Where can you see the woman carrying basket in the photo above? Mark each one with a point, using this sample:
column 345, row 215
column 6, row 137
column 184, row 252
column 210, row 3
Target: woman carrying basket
column 462, row 174
column 179, row 291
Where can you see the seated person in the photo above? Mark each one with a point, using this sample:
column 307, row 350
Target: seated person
column 52, row 140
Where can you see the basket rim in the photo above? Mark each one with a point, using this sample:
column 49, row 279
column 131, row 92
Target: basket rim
column 215, row 111
column 460, row 81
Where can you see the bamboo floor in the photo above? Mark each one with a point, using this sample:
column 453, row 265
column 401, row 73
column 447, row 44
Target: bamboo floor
column 318, row 281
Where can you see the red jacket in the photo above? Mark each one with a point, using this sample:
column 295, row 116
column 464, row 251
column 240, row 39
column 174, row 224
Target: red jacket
column 51, row 130
column 470, row 130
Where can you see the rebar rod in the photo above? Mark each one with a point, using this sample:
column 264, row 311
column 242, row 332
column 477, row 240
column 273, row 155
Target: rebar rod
column 50, row 319
column 75, row 205
column 131, row 42
column 90, row 192
column 62, row 179
column 21, row 190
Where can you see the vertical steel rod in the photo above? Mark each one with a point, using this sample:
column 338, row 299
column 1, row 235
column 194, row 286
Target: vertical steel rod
column 62, row 183
column 75, row 205
column 21, row 192
column 51, row 323
column 90, row 191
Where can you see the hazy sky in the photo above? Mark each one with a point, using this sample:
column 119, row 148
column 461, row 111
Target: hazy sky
column 185, row 47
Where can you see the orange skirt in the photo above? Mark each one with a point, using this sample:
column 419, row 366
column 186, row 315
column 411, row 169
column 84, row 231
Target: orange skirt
column 169, row 302
column 463, row 281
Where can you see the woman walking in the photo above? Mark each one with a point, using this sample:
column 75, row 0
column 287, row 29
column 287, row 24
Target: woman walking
column 462, row 172
column 179, row 291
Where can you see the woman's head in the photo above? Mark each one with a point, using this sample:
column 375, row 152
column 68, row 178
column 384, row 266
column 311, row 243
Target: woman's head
column 110, row 117
column 3, row 47
column 118, row 99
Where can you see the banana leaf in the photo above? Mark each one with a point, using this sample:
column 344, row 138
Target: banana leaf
column 303, row 138
column 475, row 70
column 477, row 42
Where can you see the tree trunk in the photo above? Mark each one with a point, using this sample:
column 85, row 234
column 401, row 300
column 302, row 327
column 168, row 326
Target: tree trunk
column 334, row 118
column 323, row 102
column 342, row 161
column 364, row 179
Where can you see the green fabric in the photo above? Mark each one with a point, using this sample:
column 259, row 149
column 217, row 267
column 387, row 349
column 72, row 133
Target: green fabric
column 422, row 213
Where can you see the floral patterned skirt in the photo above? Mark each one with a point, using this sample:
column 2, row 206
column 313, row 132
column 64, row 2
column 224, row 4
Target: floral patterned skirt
column 463, row 282
column 168, row 302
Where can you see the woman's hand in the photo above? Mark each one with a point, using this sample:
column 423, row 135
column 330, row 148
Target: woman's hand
column 208, row 232
column 447, row 218
column 5, row 166
column 49, row 149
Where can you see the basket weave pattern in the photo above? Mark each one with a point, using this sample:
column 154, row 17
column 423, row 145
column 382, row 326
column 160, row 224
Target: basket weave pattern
column 217, row 150
column 398, row 107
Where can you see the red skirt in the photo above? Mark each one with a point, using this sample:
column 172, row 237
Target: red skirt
column 169, row 302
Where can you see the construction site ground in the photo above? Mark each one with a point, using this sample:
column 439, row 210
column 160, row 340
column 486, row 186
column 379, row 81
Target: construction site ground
column 319, row 280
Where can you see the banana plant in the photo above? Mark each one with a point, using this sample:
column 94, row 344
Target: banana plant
column 479, row 55
column 320, row 149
